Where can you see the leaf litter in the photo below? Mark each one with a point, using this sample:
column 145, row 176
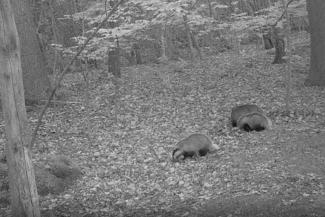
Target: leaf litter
column 124, row 145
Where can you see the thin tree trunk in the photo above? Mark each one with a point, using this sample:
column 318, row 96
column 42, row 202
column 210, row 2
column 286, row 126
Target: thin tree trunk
column 288, row 65
column 24, row 198
column 210, row 8
column 114, row 62
column 188, row 33
column 164, row 42
column 279, row 46
column 35, row 74
column 316, row 17
column 137, row 52
column 196, row 44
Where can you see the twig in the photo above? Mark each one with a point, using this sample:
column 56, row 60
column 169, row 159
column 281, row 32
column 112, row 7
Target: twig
column 62, row 102
column 283, row 13
column 66, row 69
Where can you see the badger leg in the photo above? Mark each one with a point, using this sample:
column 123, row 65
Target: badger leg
column 203, row 152
column 187, row 154
column 247, row 128
column 259, row 128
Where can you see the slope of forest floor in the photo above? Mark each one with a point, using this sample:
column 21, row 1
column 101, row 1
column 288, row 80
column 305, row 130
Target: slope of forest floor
column 123, row 139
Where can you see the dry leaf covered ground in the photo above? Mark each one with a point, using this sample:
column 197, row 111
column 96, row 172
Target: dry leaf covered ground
column 123, row 140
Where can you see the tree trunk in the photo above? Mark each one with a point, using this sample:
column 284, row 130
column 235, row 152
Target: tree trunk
column 35, row 74
column 279, row 51
column 114, row 62
column 137, row 53
column 268, row 41
column 172, row 52
column 210, row 8
column 164, row 42
column 316, row 17
column 196, row 44
column 24, row 198
column 188, row 33
column 276, row 37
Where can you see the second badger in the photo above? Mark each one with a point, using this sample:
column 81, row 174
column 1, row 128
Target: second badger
column 250, row 117
column 194, row 145
column 254, row 121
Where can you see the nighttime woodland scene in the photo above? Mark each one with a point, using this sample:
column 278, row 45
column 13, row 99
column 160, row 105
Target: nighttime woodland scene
column 162, row 108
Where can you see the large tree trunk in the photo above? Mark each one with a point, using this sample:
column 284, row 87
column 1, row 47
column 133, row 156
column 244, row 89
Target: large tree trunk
column 316, row 17
column 24, row 198
column 35, row 74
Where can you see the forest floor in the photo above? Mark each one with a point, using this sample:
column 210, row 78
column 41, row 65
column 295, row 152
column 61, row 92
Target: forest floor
column 123, row 139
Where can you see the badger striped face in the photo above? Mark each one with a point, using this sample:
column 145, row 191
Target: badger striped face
column 178, row 154
column 241, row 110
column 254, row 121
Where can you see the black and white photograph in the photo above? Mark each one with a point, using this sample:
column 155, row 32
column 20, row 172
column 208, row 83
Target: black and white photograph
column 162, row 108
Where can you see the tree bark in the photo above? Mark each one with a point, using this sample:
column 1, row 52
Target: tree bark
column 35, row 74
column 316, row 17
column 114, row 62
column 268, row 41
column 196, row 44
column 137, row 53
column 279, row 51
column 23, row 192
column 210, row 8
column 164, row 41
column 188, row 33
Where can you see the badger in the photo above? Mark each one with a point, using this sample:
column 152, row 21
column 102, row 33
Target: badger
column 194, row 145
column 254, row 121
column 241, row 110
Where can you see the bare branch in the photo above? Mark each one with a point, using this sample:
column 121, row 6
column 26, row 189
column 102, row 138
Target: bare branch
column 283, row 13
